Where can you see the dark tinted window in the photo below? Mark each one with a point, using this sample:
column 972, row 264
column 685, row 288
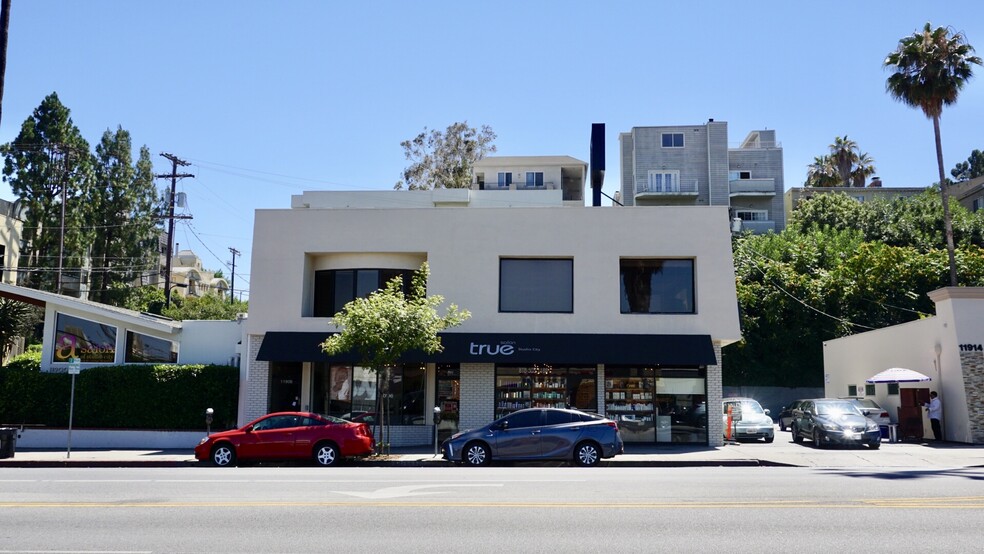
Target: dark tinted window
column 542, row 286
column 588, row 417
column 142, row 348
column 656, row 286
column 557, row 418
column 86, row 340
column 523, row 419
column 336, row 287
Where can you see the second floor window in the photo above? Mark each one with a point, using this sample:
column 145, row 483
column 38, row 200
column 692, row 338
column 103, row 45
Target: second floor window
column 656, row 286
column 672, row 140
column 534, row 178
column 536, row 285
column 336, row 287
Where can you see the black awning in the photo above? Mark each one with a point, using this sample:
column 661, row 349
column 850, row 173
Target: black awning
column 521, row 348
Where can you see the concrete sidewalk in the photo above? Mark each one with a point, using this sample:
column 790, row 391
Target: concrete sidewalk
column 780, row 453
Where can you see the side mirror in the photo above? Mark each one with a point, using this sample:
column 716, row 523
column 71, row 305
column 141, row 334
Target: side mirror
column 767, row 412
column 248, row 429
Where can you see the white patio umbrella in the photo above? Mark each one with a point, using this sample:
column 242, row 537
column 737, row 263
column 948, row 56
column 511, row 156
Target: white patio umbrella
column 898, row 375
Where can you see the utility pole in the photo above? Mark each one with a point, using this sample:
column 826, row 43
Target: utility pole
column 232, row 285
column 174, row 176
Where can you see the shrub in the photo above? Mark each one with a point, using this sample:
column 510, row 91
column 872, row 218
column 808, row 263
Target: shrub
column 158, row 397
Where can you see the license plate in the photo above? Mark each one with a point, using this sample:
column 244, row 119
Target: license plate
column 752, row 430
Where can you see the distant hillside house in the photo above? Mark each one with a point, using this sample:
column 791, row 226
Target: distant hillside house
column 189, row 279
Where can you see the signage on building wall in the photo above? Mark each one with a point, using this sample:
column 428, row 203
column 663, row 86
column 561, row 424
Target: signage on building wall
column 971, row 348
column 502, row 348
column 68, row 346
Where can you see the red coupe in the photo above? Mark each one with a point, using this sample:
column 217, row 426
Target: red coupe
column 288, row 435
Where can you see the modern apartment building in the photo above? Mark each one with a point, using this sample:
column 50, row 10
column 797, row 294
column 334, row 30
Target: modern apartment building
column 571, row 306
column 562, row 173
column 692, row 165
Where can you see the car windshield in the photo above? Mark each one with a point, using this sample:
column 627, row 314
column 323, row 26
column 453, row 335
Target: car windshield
column 867, row 404
column 837, row 408
column 750, row 407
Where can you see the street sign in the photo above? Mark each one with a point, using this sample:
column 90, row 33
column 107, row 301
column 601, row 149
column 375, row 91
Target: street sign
column 74, row 366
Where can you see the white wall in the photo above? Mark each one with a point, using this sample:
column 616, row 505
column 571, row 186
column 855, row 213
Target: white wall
column 851, row 360
column 210, row 342
column 463, row 247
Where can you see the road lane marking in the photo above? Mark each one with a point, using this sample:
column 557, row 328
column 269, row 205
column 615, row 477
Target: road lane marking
column 410, row 490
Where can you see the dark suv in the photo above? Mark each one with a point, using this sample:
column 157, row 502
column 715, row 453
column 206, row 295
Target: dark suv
column 828, row 421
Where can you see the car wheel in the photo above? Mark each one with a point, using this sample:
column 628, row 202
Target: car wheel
column 816, row 439
column 587, row 454
column 796, row 436
column 223, row 455
column 476, row 454
column 874, row 445
column 326, row 454
column 782, row 426
column 770, row 439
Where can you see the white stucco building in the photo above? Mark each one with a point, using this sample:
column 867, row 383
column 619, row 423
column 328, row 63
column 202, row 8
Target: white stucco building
column 946, row 347
column 620, row 311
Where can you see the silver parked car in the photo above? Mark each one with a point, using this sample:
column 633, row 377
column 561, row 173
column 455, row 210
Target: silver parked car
column 538, row 434
column 871, row 410
column 749, row 420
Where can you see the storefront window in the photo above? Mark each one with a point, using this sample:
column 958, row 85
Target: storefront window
column 83, row 339
column 142, row 348
column 653, row 405
column 448, row 397
column 350, row 392
column 544, row 386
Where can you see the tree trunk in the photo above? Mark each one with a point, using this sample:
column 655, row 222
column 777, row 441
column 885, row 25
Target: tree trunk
column 945, row 196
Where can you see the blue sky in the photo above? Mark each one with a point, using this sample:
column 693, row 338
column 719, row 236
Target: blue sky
column 268, row 99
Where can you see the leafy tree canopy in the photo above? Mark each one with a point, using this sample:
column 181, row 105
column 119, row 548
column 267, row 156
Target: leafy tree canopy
column 970, row 169
column 916, row 221
column 209, row 306
column 445, row 160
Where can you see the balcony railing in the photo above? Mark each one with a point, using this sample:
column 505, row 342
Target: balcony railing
column 758, row 227
column 752, row 186
column 679, row 187
column 549, row 185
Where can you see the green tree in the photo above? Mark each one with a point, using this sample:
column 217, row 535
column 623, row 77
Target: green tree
column 915, row 221
column 445, row 160
column 821, row 173
column 48, row 161
column 13, row 316
column 209, row 306
column 386, row 324
column 844, row 154
column 864, row 167
column 970, row 169
column 123, row 210
column 930, row 67
column 799, row 288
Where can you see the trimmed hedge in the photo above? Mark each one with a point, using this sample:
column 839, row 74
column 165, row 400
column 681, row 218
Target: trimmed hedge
column 154, row 397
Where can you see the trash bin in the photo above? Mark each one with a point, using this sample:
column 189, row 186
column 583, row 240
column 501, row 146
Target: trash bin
column 8, row 442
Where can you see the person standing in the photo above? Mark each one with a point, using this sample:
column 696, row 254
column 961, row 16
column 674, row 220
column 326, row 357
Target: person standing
column 935, row 409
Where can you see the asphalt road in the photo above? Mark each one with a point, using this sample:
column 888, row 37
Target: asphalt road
column 514, row 509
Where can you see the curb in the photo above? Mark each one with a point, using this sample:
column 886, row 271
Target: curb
column 375, row 463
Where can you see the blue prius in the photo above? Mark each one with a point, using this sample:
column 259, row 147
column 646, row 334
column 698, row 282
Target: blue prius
column 538, row 434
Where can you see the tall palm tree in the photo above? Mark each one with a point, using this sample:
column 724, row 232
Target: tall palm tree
column 821, row 173
column 930, row 67
column 864, row 168
column 844, row 154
